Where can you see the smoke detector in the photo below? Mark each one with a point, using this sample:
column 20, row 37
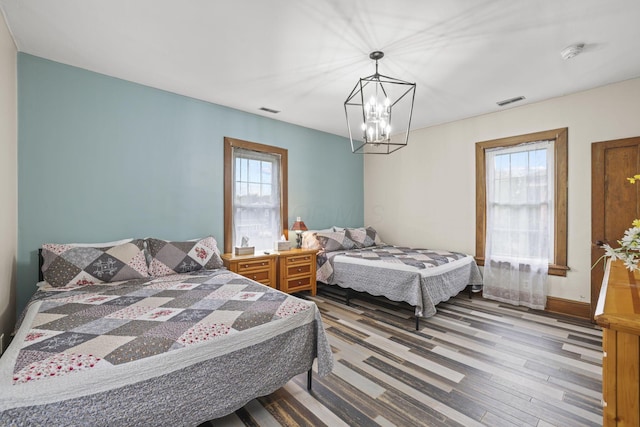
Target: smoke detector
column 571, row 51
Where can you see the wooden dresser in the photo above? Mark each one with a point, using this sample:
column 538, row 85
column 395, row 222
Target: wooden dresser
column 618, row 312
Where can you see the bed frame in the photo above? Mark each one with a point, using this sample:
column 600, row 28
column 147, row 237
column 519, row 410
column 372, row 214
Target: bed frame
column 350, row 292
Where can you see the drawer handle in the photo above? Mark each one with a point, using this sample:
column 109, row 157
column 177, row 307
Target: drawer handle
column 299, row 282
column 246, row 266
column 264, row 263
column 299, row 269
column 255, row 277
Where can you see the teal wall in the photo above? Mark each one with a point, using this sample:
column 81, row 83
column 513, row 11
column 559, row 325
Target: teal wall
column 101, row 159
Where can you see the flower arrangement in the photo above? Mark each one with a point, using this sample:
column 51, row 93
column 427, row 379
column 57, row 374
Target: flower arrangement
column 629, row 250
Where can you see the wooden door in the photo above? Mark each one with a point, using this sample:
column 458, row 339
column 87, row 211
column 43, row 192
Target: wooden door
column 615, row 202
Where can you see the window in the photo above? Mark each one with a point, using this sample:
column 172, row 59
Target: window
column 539, row 157
column 255, row 194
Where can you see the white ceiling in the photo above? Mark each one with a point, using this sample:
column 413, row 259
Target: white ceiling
column 303, row 57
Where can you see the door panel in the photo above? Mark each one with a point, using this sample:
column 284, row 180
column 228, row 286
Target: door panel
column 614, row 201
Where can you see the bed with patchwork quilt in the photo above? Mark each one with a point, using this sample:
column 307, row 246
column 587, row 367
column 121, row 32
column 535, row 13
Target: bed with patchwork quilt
column 178, row 349
column 358, row 259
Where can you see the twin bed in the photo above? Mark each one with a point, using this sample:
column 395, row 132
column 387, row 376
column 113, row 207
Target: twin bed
column 357, row 259
column 104, row 343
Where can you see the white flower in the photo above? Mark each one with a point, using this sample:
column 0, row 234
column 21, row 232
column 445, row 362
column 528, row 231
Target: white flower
column 631, row 264
column 629, row 250
column 631, row 237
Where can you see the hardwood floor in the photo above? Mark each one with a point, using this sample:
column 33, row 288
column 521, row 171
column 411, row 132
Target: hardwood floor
column 475, row 363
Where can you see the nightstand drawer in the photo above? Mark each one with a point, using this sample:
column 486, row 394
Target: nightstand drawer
column 261, row 268
column 252, row 265
column 299, row 259
column 259, row 276
column 298, row 283
column 296, row 270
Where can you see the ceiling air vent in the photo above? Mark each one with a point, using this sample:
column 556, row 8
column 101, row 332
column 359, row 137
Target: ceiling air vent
column 510, row 101
column 270, row 110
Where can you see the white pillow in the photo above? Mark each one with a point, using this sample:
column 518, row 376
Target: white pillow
column 310, row 240
column 100, row 245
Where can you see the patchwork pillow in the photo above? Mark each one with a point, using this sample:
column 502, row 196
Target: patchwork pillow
column 360, row 237
column 84, row 265
column 364, row 237
column 335, row 240
column 182, row 257
column 376, row 239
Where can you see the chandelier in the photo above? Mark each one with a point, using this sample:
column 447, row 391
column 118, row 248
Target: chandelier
column 369, row 108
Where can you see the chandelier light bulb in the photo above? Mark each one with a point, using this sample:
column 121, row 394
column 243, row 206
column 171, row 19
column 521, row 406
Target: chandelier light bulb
column 376, row 126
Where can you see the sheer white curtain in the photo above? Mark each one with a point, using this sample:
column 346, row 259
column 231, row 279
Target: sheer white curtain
column 256, row 198
column 519, row 230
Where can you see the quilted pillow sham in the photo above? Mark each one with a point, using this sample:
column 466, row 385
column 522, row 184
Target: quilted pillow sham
column 182, row 257
column 68, row 264
column 335, row 241
column 364, row 237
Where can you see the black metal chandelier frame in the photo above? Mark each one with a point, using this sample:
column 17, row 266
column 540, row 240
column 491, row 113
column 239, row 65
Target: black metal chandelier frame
column 357, row 99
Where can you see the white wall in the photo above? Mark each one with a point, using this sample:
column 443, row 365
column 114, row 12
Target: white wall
column 424, row 194
column 8, row 179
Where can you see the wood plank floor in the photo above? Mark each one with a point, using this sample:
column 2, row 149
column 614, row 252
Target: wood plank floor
column 475, row 363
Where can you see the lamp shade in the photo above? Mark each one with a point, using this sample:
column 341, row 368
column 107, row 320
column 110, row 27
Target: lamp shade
column 299, row 225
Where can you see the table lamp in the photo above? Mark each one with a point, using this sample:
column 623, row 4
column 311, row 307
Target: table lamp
column 299, row 227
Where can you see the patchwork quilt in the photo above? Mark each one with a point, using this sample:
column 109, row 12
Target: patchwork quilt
column 418, row 258
column 420, row 277
column 97, row 344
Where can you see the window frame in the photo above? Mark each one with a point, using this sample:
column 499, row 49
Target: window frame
column 229, row 145
column 557, row 266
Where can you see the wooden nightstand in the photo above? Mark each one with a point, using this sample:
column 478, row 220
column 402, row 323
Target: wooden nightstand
column 259, row 267
column 297, row 270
